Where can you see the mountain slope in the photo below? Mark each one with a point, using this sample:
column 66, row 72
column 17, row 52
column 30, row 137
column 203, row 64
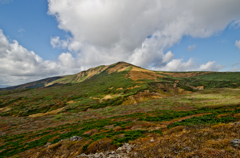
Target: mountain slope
column 35, row 84
column 135, row 73
column 109, row 105
column 117, row 84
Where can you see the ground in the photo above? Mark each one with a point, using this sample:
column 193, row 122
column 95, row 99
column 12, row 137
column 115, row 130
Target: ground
column 161, row 113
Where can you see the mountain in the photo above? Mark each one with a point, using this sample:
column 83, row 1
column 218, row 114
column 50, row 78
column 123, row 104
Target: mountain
column 35, row 84
column 134, row 73
column 100, row 109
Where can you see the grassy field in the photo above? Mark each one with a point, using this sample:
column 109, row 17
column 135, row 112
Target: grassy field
column 119, row 105
column 118, row 129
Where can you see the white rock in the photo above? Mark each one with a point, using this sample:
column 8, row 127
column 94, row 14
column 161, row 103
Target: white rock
column 152, row 140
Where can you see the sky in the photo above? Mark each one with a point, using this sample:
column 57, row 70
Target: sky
column 46, row 38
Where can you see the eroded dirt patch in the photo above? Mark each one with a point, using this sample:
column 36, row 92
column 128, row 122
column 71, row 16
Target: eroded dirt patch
column 134, row 87
column 5, row 109
column 119, row 67
column 142, row 96
column 47, row 113
column 186, row 74
column 139, row 74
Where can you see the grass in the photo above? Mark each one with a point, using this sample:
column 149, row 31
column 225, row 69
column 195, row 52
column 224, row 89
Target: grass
column 69, row 130
column 28, row 102
column 32, row 101
column 105, row 124
column 192, row 141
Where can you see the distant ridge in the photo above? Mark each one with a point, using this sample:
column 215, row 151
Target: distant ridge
column 35, row 84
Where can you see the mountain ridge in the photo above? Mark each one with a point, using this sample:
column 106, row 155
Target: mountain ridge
column 136, row 73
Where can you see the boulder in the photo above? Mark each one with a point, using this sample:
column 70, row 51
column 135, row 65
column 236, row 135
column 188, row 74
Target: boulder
column 235, row 143
column 76, row 138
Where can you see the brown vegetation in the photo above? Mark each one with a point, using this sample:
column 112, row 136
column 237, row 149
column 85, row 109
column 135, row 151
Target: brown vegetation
column 142, row 96
column 140, row 73
column 47, row 113
column 119, row 67
column 185, row 74
column 200, row 141
column 104, row 144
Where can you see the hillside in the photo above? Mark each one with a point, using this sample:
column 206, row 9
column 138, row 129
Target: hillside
column 35, row 84
column 174, row 114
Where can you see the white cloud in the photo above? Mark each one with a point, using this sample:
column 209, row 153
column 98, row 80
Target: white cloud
column 18, row 65
column 179, row 65
column 117, row 30
column 191, row 48
column 237, row 43
column 56, row 42
column 190, row 65
column 210, row 66
column 67, row 60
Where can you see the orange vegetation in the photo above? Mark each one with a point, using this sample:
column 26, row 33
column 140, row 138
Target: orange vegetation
column 186, row 74
column 181, row 142
column 47, row 113
column 119, row 67
column 140, row 73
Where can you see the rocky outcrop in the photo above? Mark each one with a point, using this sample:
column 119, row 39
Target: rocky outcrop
column 121, row 152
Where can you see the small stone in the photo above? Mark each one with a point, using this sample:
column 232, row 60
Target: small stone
column 152, row 140
column 76, row 138
column 100, row 155
column 235, row 143
column 236, row 123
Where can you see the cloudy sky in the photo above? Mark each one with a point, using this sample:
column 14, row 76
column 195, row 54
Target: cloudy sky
column 45, row 38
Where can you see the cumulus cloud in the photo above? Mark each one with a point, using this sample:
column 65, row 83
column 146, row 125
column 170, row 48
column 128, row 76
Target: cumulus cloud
column 19, row 65
column 56, row 42
column 179, row 65
column 190, row 65
column 118, row 30
column 191, row 48
column 67, row 60
column 210, row 66
column 237, row 43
